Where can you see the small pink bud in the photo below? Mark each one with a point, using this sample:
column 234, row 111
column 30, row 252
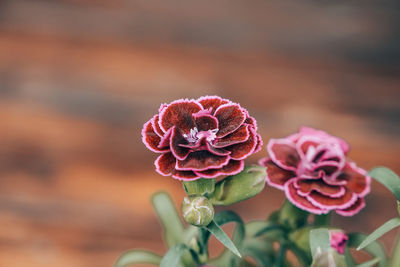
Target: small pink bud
column 338, row 240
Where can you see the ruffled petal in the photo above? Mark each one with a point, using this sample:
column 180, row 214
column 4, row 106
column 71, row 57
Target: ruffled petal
column 212, row 102
column 243, row 150
column 179, row 114
column 283, row 153
column 238, row 136
column 326, row 202
column 185, row 175
column 165, row 140
column 206, row 122
column 251, row 121
column 151, row 139
column 276, row 176
column 300, row 201
column 165, row 164
column 201, row 161
column 357, row 179
column 328, row 167
column 232, row 168
column 216, row 150
column 176, row 140
column 306, row 186
column 230, row 117
column 353, row 209
column 326, row 137
column 156, row 126
column 259, row 144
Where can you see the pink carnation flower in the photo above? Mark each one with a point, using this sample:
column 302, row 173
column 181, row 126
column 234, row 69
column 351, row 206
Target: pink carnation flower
column 312, row 168
column 338, row 240
column 201, row 138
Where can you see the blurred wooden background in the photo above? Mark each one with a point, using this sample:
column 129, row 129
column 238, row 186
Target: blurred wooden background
column 78, row 78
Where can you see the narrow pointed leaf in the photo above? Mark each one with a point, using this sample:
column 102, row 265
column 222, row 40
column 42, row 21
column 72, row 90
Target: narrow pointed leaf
column 386, row 227
column 222, row 237
column 395, row 260
column 319, row 238
column 174, row 255
column 169, row 217
column 388, row 178
column 369, row 263
column 375, row 249
column 137, row 257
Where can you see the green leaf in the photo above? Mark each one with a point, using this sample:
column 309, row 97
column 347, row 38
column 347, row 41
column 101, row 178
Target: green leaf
column 388, row 178
column 174, row 255
column 395, row 260
column 375, row 249
column 319, row 238
column 302, row 256
column 386, row 227
column 226, row 258
column 369, row 263
column 223, row 237
column 137, row 257
column 259, row 250
column 169, row 217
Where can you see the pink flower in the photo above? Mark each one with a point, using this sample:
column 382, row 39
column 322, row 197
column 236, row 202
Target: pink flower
column 312, row 168
column 338, row 240
column 201, row 138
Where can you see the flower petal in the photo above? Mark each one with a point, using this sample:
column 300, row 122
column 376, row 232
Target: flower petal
column 201, row 161
column 283, row 152
column 212, row 102
column 216, row 150
column 259, row 144
column 165, row 140
column 238, row 136
column 245, row 149
column 230, row 117
column 206, row 122
column 328, row 167
column 353, row 209
column 232, row 168
column 327, row 137
column 151, row 139
column 165, row 164
column 251, row 121
column 185, row 175
column 326, row 202
column 179, row 114
column 357, row 179
column 300, row 201
column 176, row 140
column 276, row 176
column 156, row 125
column 306, row 186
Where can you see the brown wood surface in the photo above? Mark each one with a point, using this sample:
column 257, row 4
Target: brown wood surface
column 78, row 78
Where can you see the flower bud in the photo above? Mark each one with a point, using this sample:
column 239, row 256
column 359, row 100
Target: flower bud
column 338, row 240
column 242, row 186
column 197, row 210
column 329, row 258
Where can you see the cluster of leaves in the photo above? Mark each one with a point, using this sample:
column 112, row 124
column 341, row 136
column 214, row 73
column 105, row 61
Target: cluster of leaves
column 265, row 242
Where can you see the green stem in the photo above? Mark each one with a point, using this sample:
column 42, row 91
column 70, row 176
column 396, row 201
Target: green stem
column 322, row 220
column 281, row 256
column 395, row 261
column 292, row 217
